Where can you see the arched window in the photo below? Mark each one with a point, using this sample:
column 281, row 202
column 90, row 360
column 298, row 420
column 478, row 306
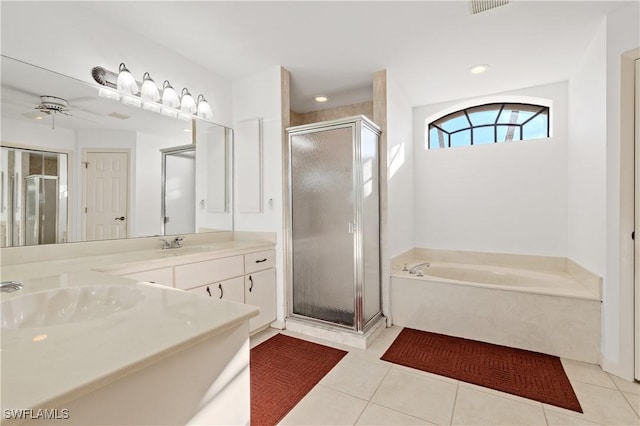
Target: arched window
column 489, row 123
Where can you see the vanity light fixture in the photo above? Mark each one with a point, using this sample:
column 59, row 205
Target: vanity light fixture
column 169, row 96
column 126, row 83
column 122, row 86
column 321, row 99
column 149, row 91
column 204, row 109
column 187, row 104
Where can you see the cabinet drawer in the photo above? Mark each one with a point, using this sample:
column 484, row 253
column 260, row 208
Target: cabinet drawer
column 163, row 276
column 201, row 273
column 231, row 290
column 259, row 261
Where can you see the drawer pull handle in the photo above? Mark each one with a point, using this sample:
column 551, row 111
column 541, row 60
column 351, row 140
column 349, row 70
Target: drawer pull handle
column 260, row 261
column 251, row 286
column 208, row 291
column 221, row 291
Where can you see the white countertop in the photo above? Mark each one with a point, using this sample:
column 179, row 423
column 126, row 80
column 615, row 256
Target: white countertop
column 78, row 357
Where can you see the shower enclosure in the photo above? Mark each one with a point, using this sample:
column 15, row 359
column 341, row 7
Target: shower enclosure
column 333, row 252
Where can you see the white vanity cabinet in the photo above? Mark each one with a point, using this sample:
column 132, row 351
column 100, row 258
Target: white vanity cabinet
column 163, row 276
column 260, row 291
column 231, row 290
column 208, row 272
column 248, row 278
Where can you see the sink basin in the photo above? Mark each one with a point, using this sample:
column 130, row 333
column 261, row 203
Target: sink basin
column 67, row 305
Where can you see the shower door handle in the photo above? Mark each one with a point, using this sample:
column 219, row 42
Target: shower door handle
column 352, row 227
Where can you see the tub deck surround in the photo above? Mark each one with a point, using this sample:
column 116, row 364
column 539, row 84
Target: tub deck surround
column 77, row 358
column 561, row 267
column 527, row 302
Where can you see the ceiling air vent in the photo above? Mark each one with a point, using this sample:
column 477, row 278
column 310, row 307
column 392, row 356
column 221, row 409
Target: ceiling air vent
column 479, row 6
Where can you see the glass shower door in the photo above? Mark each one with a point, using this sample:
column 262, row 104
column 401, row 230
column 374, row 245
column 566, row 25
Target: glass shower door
column 323, row 212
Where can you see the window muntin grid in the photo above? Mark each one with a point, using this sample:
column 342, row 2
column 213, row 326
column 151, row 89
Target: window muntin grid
column 489, row 123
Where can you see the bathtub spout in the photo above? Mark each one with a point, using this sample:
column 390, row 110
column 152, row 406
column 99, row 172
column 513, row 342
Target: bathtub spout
column 417, row 269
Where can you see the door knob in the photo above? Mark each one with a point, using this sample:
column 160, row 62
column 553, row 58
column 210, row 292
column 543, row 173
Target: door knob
column 120, row 218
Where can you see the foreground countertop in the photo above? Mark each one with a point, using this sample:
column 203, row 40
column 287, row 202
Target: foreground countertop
column 50, row 363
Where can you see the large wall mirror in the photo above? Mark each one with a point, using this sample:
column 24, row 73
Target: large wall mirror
column 95, row 168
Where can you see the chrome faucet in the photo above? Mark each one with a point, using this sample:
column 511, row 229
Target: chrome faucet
column 10, row 286
column 417, row 269
column 177, row 242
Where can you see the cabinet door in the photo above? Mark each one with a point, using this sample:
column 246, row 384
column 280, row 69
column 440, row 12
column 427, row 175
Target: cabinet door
column 163, row 276
column 210, row 271
column 260, row 291
column 231, row 290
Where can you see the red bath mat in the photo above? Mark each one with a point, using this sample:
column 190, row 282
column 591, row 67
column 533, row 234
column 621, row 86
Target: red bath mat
column 519, row 372
column 283, row 370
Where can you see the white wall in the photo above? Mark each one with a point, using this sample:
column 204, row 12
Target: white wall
column 586, row 194
column 623, row 35
column 505, row 197
column 258, row 95
column 67, row 38
column 399, row 169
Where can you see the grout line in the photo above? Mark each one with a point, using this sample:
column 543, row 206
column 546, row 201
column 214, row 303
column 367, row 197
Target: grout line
column 629, row 404
column 455, row 400
column 361, row 412
column 544, row 413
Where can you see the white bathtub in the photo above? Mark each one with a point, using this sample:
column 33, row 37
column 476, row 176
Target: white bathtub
column 543, row 311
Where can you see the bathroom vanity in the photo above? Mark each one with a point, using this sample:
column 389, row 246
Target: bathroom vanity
column 146, row 336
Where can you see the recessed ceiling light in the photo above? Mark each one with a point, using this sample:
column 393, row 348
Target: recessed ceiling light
column 38, row 117
column 187, row 130
column 321, row 99
column 478, row 69
column 40, row 337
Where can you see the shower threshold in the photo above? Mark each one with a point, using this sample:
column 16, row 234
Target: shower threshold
column 336, row 334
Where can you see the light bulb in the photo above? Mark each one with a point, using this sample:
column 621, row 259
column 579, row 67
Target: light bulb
column 126, row 83
column 169, row 96
column 149, row 91
column 187, row 104
column 204, row 109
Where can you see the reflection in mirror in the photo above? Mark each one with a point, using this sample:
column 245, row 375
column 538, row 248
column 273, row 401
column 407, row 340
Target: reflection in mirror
column 33, row 193
column 179, row 190
column 48, row 112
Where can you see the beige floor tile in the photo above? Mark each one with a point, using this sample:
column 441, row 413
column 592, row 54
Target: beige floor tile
column 587, row 373
column 559, row 419
column 634, row 400
column 356, row 376
column 417, row 395
column 600, row 405
column 499, row 393
column 262, row 336
column 474, row 407
column 325, row 406
column 382, row 343
column 625, row 385
column 378, row 415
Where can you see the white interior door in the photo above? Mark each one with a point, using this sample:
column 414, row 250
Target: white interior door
column 107, row 184
column 637, row 221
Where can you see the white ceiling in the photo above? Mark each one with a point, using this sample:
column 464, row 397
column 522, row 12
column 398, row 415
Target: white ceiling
column 332, row 48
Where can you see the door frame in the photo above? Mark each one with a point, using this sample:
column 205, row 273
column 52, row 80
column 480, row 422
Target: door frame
column 163, row 168
column 83, row 191
column 636, row 254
